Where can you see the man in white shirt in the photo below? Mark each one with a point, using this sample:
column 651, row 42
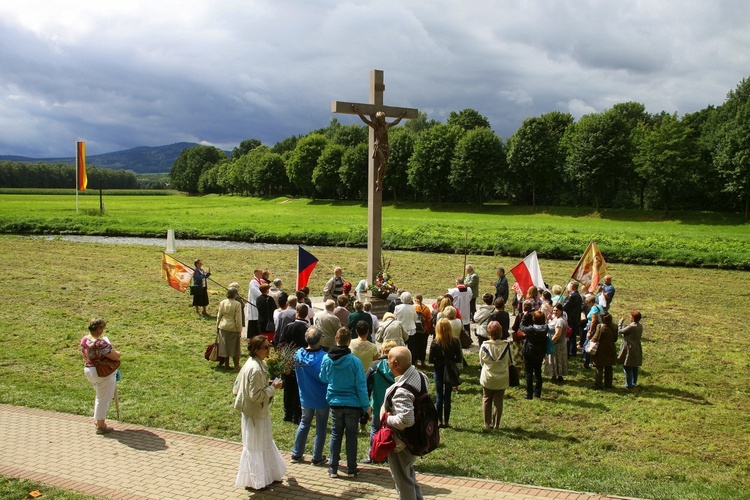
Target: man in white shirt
column 251, row 309
column 462, row 296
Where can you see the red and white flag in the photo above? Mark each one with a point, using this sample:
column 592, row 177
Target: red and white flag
column 591, row 266
column 528, row 273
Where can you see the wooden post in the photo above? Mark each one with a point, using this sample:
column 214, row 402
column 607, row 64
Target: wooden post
column 374, row 196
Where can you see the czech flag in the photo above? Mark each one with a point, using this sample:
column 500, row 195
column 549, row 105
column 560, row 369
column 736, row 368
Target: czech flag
column 83, row 181
column 528, row 273
column 306, row 263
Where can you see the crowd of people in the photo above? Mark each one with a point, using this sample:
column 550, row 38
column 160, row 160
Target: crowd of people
column 349, row 365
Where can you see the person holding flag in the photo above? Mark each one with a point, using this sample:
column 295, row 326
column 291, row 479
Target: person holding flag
column 199, row 290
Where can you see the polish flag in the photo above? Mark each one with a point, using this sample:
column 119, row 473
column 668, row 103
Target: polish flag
column 528, row 273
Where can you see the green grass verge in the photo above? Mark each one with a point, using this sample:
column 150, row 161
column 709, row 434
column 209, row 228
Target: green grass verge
column 684, row 434
column 19, row 489
column 684, row 239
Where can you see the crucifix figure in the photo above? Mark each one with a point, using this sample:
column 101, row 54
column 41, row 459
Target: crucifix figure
column 381, row 148
column 379, row 153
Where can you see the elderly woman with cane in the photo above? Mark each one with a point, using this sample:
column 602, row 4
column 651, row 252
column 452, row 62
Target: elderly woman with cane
column 100, row 367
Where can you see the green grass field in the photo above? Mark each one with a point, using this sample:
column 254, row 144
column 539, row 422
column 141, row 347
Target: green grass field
column 685, row 433
column 684, row 239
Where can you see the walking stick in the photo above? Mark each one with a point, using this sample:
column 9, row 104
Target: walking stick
column 117, row 403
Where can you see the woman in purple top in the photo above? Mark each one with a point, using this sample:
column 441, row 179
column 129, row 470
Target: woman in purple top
column 95, row 347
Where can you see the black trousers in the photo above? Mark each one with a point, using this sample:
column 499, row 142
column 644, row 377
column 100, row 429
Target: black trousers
column 292, row 405
column 533, row 368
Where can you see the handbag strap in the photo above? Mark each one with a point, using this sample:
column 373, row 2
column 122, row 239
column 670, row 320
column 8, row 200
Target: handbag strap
column 506, row 350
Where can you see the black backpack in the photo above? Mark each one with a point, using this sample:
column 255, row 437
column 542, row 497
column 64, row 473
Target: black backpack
column 424, row 436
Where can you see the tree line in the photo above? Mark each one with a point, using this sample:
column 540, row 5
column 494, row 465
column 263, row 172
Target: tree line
column 622, row 157
column 61, row 176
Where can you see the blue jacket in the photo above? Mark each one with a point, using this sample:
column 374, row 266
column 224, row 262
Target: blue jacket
column 343, row 373
column 312, row 391
column 382, row 378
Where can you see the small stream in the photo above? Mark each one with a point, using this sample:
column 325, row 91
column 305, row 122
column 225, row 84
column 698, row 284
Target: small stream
column 162, row 242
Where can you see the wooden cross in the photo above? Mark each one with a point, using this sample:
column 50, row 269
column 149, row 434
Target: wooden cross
column 374, row 194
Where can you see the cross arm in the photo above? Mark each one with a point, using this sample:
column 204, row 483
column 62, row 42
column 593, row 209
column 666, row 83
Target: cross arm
column 371, row 109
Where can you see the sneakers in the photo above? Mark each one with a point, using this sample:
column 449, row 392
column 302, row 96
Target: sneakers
column 366, row 460
column 322, row 461
column 332, row 474
column 352, row 474
column 296, row 460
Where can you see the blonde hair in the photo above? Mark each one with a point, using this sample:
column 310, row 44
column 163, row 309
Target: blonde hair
column 387, row 346
column 449, row 312
column 443, row 333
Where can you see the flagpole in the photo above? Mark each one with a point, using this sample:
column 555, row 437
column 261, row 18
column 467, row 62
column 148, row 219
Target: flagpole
column 77, row 163
column 214, row 281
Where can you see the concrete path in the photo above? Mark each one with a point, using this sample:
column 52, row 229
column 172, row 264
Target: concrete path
column 137, row 462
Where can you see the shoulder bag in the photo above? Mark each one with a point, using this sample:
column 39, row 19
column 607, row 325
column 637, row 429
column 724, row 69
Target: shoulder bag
column 106, row 367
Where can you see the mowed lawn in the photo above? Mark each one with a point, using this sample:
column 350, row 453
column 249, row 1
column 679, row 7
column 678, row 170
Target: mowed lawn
column 684, row 433
column 693, row 239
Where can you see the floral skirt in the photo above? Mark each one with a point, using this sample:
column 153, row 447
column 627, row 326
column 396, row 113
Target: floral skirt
column 261, row 463
column 515, row 352
column 556, row 365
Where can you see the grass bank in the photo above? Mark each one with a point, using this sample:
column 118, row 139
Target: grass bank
column 684, row 434
column 19, row 489
column 684, row 239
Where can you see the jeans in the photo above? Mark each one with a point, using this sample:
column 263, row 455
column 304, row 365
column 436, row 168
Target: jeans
column 300, row 440
column 585, row 357
column 631, row 376
column 344, row 422
column 401, row 465
column 442, row 396
column 375, row 427
column 533, row 368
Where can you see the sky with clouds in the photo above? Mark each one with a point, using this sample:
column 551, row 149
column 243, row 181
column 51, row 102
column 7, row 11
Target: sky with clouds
column 149, row 73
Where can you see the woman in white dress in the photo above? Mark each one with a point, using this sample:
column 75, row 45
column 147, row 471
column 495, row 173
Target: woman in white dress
column 261, row 463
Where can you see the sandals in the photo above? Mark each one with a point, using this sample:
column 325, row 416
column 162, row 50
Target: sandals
column 104, row 430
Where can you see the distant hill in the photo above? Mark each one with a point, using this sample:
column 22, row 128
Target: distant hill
column 141, row 160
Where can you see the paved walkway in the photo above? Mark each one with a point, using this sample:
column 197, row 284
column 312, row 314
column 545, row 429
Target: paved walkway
column 137, row 462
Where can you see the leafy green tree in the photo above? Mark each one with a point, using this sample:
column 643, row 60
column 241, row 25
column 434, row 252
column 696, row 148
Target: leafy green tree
column 267, row 173
column 430, row 165
column 468, row 119
column 666, row 156
column 209, row 181
column 191, row 163
column 286, row 145
column 420, row 124
column 353, row 173
column 302, row 162
column 350, row 136
column 326, row 177
column 532, row 156
column 478, row 159
column 396, row 178
column 245, row 147
column 597, row 147
column 558, row 123
column 732, row 154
